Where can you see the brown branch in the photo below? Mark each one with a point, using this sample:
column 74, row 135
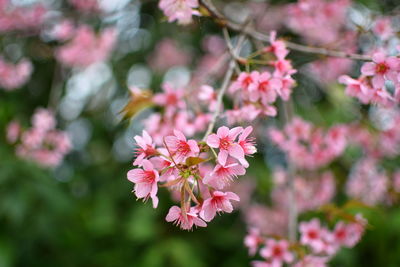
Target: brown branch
column 222, row 20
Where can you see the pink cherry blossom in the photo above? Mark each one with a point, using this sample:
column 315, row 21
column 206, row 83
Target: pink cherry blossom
column 185, row 221
column 383, row 28
column 180, row 10
column 86, row 47
column 43, row 120
column 180, row 148
column 312, row 234
column 146, row 147
column 277, row 251
column 247, row 143
column 222, row 175
column 13, row 76
column 382, row 68
column 218, row 202
column 278, row 47
column 145, row 182
column 253, row 240
column 13, row 131
column 225, row 141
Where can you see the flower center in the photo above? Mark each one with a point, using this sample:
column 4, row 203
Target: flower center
column 277, row 251
column 224, row 143
column 381, row 68
column 313, row 234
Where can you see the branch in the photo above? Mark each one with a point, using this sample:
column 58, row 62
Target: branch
column 221, row 19
column 228, row 75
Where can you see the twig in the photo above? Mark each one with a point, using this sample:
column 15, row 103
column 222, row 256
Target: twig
column 220, row 96
column 224, row 87
column 221, row 19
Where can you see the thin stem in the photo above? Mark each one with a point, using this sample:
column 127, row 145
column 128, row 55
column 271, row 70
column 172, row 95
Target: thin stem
column 224, row 87
column 221, row 19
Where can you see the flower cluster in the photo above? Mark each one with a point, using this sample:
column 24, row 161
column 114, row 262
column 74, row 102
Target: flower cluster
column 14, row 18
column 184, row 167
column 180, row 10
column 85, row 48
column 42, row 143
column 318, row 21
column 376, row 76
column 311, row 192
column 317, row 244
column 367, row 183
column 257, row 91
column 307, row 146
column 13, row 76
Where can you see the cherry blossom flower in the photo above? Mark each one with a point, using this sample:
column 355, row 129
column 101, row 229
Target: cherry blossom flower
column 383, row 28
column 146, row 148
column 13, row 76
column 277, row 252
column 145, row 181
column 185, row 220
column 247, row 144
column 222, row 175
column 86, row 48
column 43, row 120
column 180, row 10
column 225, row 141
column 278, row 47
column 218, row 202
column 382, row 68
column 312, row 234
column 180, row 148
column 253, row 240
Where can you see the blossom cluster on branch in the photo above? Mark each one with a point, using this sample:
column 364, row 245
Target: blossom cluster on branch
column 194, row 171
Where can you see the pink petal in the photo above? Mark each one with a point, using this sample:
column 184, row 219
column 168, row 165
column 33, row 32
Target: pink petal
column 173, row 214
column 222, row 131
column 180, row 135
column 378, row 81
column 193, row 146
column 236, row 151
column 147, row 138
column 378, row 57
column 368, row 68
column 147, row 166
column 234, row 132
column 232, row 196
column 222, row 157
column 135, row 175
column 213, row 141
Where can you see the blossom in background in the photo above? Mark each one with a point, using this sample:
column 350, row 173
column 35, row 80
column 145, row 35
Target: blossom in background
column 86, row 48
column 15, row 18
column 312, row 234
column 179, row 10
column 42, row 143
column 277, row 251
column 13, row 76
